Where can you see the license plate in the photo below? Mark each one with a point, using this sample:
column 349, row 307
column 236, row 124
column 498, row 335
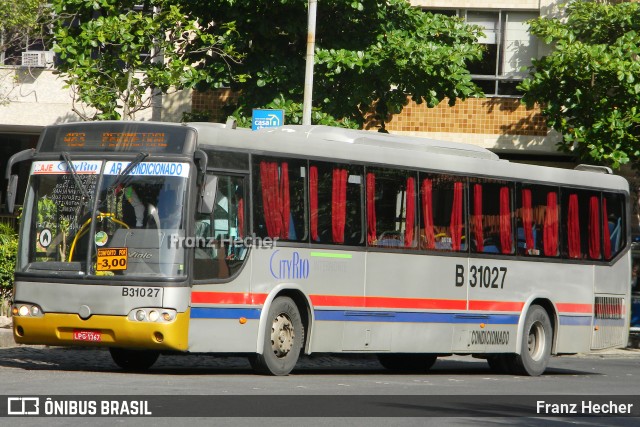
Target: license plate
column 87, row 336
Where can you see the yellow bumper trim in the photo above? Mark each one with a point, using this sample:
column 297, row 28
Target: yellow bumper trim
column 115, row 331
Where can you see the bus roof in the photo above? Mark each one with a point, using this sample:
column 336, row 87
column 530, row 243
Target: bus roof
column 398, row 150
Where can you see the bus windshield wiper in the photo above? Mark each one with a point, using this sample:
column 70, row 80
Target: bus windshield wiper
column 125, row 172
column 76, row 178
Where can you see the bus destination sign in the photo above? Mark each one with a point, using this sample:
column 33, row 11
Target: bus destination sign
column 116, row 137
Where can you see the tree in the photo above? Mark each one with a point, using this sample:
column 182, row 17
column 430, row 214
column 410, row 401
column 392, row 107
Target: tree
column 369, row 53
column 117, row 56
column 589, row 85
column 20, row 29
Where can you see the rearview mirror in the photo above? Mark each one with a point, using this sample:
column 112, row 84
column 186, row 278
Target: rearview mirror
column 208, row 194
column 12, row 188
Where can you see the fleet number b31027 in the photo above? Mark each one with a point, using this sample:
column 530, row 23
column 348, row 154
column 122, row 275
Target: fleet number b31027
column 481, row 276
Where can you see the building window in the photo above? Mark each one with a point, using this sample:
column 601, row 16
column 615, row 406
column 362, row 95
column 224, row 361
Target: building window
column 509, row 47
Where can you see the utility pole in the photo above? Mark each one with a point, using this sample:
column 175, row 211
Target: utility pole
column 308, row 75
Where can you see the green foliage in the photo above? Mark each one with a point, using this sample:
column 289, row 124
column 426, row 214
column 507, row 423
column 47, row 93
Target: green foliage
column 589, row 86
column 116, row 58
column 368, row 53
column 8, row 251
column 20, row 28
column 20, row 19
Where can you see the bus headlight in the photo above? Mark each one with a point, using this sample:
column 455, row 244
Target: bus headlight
column 26, row 310
column 152, row 314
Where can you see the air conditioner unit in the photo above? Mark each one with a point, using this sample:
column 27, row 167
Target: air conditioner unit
column 37, row 58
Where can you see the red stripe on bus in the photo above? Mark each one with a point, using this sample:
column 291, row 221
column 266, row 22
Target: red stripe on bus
column 228, row 298
column 387, row 302
column 567, row 307
column 340, row 301
column 495, row 305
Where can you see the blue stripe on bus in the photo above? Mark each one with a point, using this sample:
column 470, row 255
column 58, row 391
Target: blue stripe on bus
column 414, row 317
column 575, row 320
column 224, row 313
column 386, row 316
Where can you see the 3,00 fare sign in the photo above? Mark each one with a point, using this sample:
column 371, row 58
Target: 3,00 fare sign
column 111, row 259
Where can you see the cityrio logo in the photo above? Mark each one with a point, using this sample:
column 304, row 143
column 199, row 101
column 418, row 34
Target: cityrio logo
column 293, row 267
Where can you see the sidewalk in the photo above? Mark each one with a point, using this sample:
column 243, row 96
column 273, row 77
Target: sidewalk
column 6, row 332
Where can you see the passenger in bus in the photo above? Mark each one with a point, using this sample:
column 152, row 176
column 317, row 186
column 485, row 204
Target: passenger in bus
column 134, row 203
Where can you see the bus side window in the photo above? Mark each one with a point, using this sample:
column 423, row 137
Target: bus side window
column 537, row 220
column 614, row 238
column 391, row 208
column 443, row 209
column 491, row 216
column 218, row 254
column 280, row 198
column 335, row 203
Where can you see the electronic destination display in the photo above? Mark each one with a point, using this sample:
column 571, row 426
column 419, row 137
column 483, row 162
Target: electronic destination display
column 118, row 137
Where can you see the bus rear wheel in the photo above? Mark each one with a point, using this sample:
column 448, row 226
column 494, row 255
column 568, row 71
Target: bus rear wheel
column 535, row 350
column 407, row 362
column 133, row 360
column 283, row 339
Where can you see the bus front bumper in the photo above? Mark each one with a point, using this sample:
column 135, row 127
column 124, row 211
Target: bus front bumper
column 104, row 331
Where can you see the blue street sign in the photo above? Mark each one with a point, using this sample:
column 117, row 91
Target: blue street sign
column 266, row 119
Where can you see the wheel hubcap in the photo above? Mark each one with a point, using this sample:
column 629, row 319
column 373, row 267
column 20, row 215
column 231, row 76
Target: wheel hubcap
column 536, row 341
column 282, row 335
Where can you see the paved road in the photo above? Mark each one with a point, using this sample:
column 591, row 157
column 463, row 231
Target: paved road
column 53, row 371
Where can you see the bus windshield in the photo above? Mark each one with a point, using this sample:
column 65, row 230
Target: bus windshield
column 129, row 233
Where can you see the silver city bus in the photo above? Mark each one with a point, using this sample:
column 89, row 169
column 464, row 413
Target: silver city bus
column 148, row 238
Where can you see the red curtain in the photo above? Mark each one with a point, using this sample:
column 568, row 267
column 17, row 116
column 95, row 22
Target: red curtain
column 606, row 235
column 456, row 217
column 240, row 217
column 371, row 209
column 268, row 180
column 313, row 202
column 338, row 205
column 427, row 214
column 506, row 241
column 411, row 213
column 275, row 198
column 573, row 227
column 594, row 228
column 477, row 217
column 527, row 218
column 550, row 230
column 285, row 210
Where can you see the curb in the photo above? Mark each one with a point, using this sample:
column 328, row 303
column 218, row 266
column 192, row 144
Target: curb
column 6, row 338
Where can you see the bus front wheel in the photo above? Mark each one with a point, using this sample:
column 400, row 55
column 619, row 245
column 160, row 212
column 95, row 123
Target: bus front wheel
column 535, row 349
column 133, row 360
column 283, row 339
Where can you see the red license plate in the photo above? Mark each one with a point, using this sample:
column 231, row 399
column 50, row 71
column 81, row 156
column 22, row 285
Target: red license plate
column 87, row 336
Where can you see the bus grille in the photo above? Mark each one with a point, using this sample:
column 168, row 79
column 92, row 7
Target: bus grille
column 609, row 323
